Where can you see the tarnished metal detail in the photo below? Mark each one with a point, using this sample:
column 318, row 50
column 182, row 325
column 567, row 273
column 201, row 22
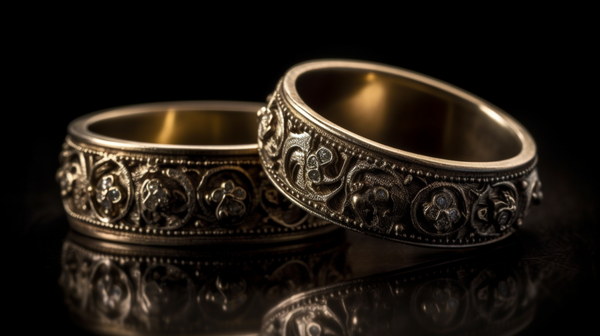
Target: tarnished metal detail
column 387, row 192
column 439, row 209
column 177, row 195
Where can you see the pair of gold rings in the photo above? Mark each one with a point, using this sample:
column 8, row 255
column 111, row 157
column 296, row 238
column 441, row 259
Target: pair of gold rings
column 369, row 147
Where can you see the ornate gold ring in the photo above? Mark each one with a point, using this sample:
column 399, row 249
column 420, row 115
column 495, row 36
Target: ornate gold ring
column 174, row 173
column 397, row 155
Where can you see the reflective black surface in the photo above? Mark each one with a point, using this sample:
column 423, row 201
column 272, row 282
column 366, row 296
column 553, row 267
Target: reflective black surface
column 545, row 281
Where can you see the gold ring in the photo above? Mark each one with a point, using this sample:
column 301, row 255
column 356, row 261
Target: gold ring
column 174, row 173
column 397, row 155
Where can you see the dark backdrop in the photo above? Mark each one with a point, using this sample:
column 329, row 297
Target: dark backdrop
column 537, row 66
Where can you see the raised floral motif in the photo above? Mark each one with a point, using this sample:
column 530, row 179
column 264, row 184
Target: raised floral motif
column 226, row 196
column 110, row 189
column 442, row 211
column 160, row 205
column 108, row 193
column 229, row 198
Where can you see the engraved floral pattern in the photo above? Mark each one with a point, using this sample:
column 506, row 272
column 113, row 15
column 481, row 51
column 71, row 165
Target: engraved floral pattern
column 160, row 204
column 110, row 189
column 442, row 211
column 108, row 193
column 229, row 198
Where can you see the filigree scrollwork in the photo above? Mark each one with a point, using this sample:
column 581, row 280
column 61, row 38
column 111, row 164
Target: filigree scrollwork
column 440, row 305
column 439, row 209
column 226, row 194
column 167, row 199
column 495, row 210
column 111, row 295
column 442, row 210
column 376, row 195
column 112, row 190
column 319, row 174
column 108, row 193
column 271, row 128
column 230, row 199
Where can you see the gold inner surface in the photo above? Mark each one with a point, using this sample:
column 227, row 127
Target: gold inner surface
column 174, row 127
column 408, row 115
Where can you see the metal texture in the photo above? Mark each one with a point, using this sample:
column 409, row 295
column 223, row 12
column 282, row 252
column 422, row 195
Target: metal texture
column 397, row 155
column 174, row 173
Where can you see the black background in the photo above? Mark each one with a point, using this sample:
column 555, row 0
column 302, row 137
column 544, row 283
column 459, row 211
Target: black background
column 537, row 65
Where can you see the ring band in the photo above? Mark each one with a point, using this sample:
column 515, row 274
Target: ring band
column 397, row 155
column 174, row 173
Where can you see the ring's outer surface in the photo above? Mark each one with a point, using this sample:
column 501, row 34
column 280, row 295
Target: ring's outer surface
column 397, row 155
column 174, row 173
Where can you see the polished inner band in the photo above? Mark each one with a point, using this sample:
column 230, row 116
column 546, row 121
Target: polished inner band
column 397, row 155
column 174, row 173
column 403, row 113
column 406, row 115
column 181, row 127
column 195, row 127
